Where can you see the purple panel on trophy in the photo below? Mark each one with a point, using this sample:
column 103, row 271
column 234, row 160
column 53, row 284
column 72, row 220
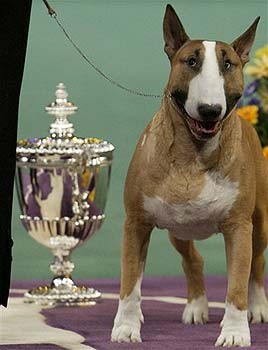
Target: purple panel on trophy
column 37, row 188
column 66, row 204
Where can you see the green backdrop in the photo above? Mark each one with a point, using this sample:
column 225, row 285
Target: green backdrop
column 124, row 38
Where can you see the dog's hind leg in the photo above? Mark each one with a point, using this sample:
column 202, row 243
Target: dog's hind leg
column 196, row 310
column 129, row 316
column 258, row 304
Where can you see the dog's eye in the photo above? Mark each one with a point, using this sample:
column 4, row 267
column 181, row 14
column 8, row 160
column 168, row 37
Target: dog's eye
column 227, row 65
column 191, row 62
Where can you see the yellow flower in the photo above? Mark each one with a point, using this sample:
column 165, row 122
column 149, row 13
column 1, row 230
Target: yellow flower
column 265, row 152
column 263, row 51
column 259, row 68
column 250, row 113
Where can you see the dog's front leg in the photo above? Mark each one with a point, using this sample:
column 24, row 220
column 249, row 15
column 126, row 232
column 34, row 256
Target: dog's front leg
column 129, row 316
column 238, row 244
column 196, row 309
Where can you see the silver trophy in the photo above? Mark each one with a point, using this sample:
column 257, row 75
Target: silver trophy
column 62, row 183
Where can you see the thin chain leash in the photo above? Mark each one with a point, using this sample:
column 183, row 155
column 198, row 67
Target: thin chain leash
column 53, row 14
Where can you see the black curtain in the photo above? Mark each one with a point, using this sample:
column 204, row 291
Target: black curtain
column 14, row 24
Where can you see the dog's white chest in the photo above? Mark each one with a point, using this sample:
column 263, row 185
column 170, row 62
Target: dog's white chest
column 199, row 217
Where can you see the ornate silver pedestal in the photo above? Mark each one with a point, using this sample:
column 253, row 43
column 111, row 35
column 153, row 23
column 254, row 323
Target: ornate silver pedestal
column 62, row 183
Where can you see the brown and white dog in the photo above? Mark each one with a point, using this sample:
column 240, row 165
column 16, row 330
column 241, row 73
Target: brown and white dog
column 198, row 169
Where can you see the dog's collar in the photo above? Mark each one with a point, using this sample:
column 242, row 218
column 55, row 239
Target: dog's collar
column 168, row 95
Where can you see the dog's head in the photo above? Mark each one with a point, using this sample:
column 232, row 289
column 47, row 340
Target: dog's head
column 206, row 79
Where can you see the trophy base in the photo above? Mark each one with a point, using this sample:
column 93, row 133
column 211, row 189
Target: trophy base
column 63, row 292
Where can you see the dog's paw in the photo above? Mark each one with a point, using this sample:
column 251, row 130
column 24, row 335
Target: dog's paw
column 258, row 313
column 222, row 321
column 196, row 311
column 127, row 323
column 126, row 333
column 235, row 329
column 233, row 339
column 258, row 304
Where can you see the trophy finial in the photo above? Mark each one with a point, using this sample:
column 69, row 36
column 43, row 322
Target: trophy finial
column 61, row 109
column 61, row 94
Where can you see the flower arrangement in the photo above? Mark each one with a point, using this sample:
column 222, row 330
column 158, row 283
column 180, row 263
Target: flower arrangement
column 253, row 106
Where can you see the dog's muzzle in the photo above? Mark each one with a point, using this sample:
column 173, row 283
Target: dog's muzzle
column 201, row 129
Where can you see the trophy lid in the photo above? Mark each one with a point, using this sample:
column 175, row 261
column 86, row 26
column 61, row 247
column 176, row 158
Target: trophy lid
column 61, row 108
column 61, row 147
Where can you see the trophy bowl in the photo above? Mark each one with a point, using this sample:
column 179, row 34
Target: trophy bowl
column 62, row 183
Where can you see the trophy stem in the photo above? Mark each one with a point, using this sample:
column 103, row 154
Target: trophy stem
column 62, row 266
column 63, row 290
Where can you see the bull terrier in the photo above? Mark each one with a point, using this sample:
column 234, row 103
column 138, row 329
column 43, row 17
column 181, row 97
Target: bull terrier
column 198, row 169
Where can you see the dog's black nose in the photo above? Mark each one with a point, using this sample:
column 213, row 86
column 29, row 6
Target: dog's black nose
column 209, row 112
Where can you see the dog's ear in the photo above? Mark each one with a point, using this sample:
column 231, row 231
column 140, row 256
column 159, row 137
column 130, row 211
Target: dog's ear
column 174, row 33
column 243, row 44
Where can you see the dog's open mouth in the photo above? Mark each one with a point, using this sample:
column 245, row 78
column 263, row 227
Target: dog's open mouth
column 200, row 129
column 207, row 129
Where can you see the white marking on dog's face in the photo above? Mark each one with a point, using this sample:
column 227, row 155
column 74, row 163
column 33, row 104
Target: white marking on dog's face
column 208, row 86
column 235, row 328
column 199, row 217
column 127, row 322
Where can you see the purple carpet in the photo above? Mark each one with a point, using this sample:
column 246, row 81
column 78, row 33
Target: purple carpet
column 162, row 330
